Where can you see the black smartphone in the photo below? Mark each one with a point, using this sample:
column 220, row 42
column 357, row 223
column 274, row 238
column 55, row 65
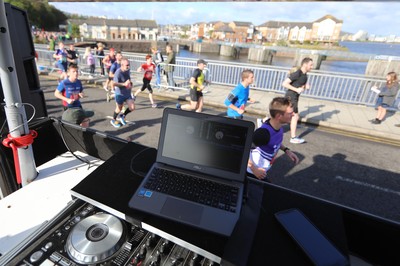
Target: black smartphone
column 316, row 246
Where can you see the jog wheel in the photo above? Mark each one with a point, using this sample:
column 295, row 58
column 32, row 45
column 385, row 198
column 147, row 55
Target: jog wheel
column 95, row 239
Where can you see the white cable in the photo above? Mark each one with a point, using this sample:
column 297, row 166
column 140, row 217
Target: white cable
column 30, row 119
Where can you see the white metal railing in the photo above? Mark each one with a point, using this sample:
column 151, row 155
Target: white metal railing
column 332, row 86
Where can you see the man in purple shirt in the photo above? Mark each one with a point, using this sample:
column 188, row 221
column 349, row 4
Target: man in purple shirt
column 268, row 138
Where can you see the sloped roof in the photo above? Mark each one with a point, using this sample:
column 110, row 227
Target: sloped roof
column 145, row 23
column 242, row 24
column 224, row 28
column 329, row 17
column 139, row 23
column 215, row 22
column 278, row 24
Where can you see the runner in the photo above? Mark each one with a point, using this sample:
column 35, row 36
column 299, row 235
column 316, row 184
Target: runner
column 122, row 86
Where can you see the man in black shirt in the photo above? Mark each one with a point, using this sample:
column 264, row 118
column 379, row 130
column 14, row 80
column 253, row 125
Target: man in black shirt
column 72, row 55
column 295, row 84
column 197, row 82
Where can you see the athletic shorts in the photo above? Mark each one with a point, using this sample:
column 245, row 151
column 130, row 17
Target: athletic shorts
column 294, row 99
column 146, row 85
column 195, row 95
column 120, row 98
column 63, row 66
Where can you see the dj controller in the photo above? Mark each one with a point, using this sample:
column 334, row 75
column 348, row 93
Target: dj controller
column 90, row 236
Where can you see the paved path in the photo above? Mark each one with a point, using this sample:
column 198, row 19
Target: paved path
column 341, row 116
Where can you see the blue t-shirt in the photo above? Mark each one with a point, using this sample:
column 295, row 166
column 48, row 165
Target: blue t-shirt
column 64, row 55
column 120, row 77
column 238, row 97
column 71, row 90
column 114, row 67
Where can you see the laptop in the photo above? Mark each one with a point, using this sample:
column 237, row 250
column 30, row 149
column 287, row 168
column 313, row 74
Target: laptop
column 210, row 153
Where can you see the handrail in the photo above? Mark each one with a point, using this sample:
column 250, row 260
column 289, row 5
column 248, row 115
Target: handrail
column 331, row 86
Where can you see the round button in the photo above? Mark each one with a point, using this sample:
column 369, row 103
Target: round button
column 36, row 256
column 48, row 245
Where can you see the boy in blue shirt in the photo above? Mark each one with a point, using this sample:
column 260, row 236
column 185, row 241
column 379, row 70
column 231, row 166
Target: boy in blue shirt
column 70, row 90
column 238, row 97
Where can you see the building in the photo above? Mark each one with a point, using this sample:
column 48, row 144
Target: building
column 360, row 36
column 173, row 31
column 272, row 31
column 117, row 29
column 234, row 31
column 203, row 29
column 301, row 32
column 326, row 29
column 243, row 31
column 223, row 33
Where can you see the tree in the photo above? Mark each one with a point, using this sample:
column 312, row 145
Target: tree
column 75, row 33
column 41, row 14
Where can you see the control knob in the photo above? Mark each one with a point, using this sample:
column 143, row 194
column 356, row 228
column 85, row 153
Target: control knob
column 156, row 260
column 165, row 247
column 196, row 259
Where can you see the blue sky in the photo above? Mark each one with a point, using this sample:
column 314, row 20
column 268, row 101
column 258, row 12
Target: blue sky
column 380, row 18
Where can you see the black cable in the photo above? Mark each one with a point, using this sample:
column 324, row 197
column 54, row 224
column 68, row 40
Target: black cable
column 68, row 148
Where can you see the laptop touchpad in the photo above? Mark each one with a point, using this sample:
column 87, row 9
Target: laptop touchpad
column 182, row 210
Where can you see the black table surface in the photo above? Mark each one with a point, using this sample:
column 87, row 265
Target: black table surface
column 257, row 238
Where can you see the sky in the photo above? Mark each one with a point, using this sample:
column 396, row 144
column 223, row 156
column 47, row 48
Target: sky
column 379, row 18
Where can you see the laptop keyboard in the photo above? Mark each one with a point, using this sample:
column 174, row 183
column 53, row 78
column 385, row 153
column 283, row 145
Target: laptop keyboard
column 194, row 189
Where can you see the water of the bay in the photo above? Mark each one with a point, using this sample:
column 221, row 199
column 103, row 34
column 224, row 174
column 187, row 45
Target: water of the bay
column 371, row 48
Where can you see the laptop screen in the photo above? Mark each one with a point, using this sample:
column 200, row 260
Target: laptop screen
column 210, row 144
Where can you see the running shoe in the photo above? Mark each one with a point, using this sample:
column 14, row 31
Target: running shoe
column 133, row 97
column 115, row 123
column 122, row 120
column 178, row 106
column 108, row 97
column 296, row 140
column 376, row 121
column 105, row 88
column 154, row 105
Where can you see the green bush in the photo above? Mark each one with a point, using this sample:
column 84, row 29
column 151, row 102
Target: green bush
column 282, row 43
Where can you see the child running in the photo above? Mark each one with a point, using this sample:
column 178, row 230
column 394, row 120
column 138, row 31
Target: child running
column 148, row 69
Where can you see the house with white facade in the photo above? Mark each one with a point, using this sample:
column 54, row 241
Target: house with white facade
column 325, row 29
column 273, row 31
column 204, row 29
column 117, row 29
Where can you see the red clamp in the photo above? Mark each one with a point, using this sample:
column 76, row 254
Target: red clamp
column 19, row 142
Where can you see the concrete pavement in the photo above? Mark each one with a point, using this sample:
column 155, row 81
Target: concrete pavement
column 336, row 115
